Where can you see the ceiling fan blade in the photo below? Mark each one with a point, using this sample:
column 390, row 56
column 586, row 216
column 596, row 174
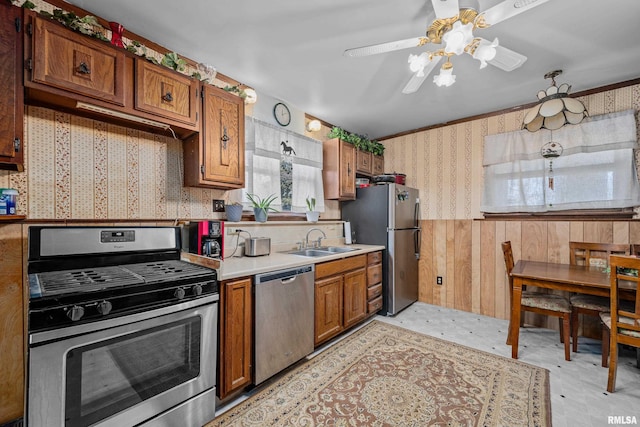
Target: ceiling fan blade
column 445, row 8
column 415, row 82
column 508, row 9
column 506, row 59
column 385, row 47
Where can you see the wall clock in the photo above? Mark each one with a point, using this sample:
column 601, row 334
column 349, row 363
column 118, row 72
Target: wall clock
column 282, row 114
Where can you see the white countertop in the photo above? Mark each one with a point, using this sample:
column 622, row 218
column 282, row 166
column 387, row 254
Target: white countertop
column 232, row 268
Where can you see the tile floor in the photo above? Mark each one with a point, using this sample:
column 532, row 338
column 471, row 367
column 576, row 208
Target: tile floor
column 578, row 388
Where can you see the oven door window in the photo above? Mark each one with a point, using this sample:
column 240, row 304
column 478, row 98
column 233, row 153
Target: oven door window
column 109, row 376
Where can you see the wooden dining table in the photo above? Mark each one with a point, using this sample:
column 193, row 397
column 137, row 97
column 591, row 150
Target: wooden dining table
column 564, row 277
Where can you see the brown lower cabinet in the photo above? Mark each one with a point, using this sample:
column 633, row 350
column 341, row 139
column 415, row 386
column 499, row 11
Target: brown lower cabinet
column 235, row 336
column 340, row 296
column 374, row 282
column 12, row 348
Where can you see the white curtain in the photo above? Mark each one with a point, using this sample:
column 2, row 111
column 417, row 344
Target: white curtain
column 596, row 170
column 263, row 156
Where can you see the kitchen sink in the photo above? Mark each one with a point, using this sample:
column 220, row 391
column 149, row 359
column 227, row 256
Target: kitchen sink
column 336, row 249
column 311, row 252
column 322, row 251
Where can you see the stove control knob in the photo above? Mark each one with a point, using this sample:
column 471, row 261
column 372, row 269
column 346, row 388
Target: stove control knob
column 75, row 313
column 179, row 293
column 197, row 290
column 104, row 307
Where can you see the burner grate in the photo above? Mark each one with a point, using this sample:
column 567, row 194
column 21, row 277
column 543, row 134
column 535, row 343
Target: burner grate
column 85, row 280
column 166, row 270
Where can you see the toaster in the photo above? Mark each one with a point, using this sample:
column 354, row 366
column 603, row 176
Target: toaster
column 257, row 246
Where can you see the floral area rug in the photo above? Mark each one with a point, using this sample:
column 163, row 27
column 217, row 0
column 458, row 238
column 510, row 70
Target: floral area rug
column 384, row 375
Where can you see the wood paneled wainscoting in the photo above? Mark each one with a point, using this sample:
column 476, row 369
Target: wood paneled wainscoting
column 467, row 255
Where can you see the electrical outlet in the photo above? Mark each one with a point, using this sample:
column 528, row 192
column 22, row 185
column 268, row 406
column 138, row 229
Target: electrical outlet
column 439, row 280
column 232, row 231
column 218, row 205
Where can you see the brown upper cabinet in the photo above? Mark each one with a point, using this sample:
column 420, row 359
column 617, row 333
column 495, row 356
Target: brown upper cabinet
column 65, row 60
column 11, row 103
column 165, row 93
column 378, row 165
column 72, row 72
column 339, row 170
column 368, row 164
column 215, row 156
column 364, row 162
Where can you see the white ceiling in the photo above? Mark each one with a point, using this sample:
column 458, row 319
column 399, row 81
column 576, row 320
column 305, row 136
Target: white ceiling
column 292, row 50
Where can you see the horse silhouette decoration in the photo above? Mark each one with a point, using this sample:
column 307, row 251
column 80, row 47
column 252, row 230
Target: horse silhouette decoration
column 286, row 149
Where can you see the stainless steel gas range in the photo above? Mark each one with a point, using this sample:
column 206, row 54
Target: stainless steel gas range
column 121, row 331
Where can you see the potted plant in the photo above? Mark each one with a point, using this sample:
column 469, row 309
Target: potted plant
column 261, row 207
column 312, row 214
column 233, row 211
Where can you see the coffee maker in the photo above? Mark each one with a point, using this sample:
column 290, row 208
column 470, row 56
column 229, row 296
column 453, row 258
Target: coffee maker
column 206, row 238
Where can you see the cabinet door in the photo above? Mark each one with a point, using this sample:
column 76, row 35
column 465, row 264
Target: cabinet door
column 11, row 105
column 76, row 63
column 165, row 93
column 223, row 143
column 12, row 339
column 347, row 171
column 355, row 297
column 364, row 162
column 328, row 308
column 235, row 336
column 378, row 165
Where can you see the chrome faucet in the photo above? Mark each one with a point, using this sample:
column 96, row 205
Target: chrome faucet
column 306, row 239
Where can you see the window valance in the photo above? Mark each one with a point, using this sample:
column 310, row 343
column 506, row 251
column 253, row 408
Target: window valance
column 596, row 170
column 600, row 133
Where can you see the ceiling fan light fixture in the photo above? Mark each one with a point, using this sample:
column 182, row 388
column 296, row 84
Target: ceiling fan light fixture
column 485, row 51
column 452, row 29
column 417, row 63
column 555, row 109
column 458, row 38
column 446, row 77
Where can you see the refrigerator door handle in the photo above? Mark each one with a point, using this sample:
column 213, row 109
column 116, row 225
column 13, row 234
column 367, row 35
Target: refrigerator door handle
column 416, row 214
column 416, row 242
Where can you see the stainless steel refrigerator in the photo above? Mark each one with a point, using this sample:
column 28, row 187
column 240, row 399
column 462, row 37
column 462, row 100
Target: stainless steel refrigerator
column 388, row 214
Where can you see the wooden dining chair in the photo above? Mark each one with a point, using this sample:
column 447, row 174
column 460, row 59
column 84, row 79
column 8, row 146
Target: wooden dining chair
column 593, row 255
column 541, row 303
column 622, row 322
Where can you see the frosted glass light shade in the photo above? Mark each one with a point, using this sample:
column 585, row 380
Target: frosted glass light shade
column 458, row 37
column 445, row 78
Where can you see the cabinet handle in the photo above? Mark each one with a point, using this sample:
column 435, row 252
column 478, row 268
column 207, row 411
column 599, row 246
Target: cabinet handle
column 83, row 68
column 224, row 137
column 167, row 97
column 348, row 169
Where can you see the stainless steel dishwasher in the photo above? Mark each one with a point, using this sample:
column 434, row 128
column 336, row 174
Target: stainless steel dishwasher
column 283, row 319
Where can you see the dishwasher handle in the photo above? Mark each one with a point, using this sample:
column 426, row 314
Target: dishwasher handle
column 283, row 275
column 288, row 280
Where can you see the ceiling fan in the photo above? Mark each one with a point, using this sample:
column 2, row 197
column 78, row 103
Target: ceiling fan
column 453, row 26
